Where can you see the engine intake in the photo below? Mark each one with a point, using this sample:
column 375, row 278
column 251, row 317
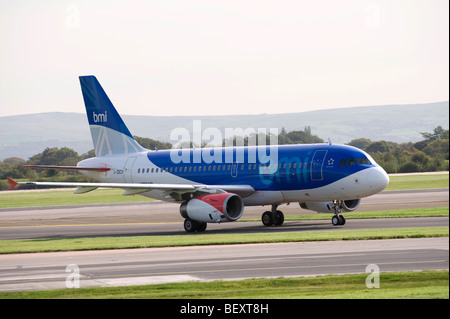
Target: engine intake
column 213, row 208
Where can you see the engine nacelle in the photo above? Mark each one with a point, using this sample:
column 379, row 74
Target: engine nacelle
column 328, row 207
column 213, row 208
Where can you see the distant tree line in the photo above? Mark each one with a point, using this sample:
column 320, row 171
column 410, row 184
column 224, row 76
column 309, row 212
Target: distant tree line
column 430, row 154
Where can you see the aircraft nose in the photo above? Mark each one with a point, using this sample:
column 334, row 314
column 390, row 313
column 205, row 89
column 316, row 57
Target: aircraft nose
column 378, row 179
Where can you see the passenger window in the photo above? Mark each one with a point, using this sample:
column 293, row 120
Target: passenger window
column 351, row 162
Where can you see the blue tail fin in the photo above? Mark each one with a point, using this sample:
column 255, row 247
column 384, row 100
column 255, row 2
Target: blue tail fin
column 109, row 133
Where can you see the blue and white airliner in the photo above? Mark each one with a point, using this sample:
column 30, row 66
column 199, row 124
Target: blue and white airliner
column 325, row 178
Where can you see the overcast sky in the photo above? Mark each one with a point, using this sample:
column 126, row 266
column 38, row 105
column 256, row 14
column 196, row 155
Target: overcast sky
column 206, row 57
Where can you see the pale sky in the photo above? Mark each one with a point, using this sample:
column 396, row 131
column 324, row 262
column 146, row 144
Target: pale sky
column 206, row 57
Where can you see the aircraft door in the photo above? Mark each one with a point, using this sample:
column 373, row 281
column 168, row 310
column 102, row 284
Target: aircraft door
column 128, row 169
column 317, row 164
column 234, row 169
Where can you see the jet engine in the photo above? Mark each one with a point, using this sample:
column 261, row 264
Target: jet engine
column 213, row 208
column 328, row 207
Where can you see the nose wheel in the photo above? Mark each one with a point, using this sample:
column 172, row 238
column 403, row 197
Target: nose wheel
column 337, row 219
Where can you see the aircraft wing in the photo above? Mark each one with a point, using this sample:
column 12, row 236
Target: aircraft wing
column 72, row 168
column 137, row 188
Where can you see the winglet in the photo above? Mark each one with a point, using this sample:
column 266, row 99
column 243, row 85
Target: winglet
column 12, row 183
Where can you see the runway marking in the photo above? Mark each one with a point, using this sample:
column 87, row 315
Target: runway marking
column 148, row 276
column 274, row 268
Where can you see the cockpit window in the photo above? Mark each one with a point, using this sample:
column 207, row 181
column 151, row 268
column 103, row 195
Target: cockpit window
column 351, row 162
column 355, row 161
column 363, row 161
column 342, row 162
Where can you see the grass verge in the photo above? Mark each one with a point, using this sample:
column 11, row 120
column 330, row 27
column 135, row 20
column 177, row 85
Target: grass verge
column 65, row 197
column 397, row 285
column 97, row 243
column 407, row 182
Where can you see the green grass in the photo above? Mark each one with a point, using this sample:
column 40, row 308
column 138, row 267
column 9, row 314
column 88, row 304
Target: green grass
column 418, row 182
column 97, row 243
column 65, row 197
column 396, row 285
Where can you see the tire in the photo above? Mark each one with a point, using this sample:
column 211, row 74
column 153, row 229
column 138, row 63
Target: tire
column 279, row 218
column 335, row 220
column 190, row 225
column 201, row 227
column 267, row 218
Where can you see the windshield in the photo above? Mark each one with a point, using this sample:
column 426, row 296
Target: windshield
column 361, row 160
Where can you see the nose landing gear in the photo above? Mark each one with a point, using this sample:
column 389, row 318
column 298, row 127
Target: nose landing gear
column 337, row 220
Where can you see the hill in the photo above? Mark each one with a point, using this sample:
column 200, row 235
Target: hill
column 26, row 135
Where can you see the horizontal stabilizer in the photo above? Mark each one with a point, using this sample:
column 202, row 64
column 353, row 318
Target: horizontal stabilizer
column 12, row 183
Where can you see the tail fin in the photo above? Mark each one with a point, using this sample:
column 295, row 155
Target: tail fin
column 109, row 133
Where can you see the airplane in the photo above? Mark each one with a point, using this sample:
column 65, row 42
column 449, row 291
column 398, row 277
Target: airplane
column 326, row 178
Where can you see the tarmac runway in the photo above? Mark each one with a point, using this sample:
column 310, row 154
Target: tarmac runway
column 225, row 262
column 204, row 263
column 161, row 218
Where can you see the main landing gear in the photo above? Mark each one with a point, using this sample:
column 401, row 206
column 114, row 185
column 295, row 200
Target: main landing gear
column 273, row 218
column 191, row 226
column 337, row 220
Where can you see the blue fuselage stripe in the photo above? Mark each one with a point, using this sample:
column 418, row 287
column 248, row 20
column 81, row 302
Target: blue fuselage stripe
column 285, row 167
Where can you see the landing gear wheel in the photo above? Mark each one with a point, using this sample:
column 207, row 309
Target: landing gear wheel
column 267, row 218
column 279, row 218
column 190, row 225
column 335, row 220
column 201, row 227
column 338, row 220
column 272, row 219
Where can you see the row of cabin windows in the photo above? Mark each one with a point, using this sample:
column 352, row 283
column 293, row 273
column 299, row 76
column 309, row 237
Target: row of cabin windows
column 217, row 168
